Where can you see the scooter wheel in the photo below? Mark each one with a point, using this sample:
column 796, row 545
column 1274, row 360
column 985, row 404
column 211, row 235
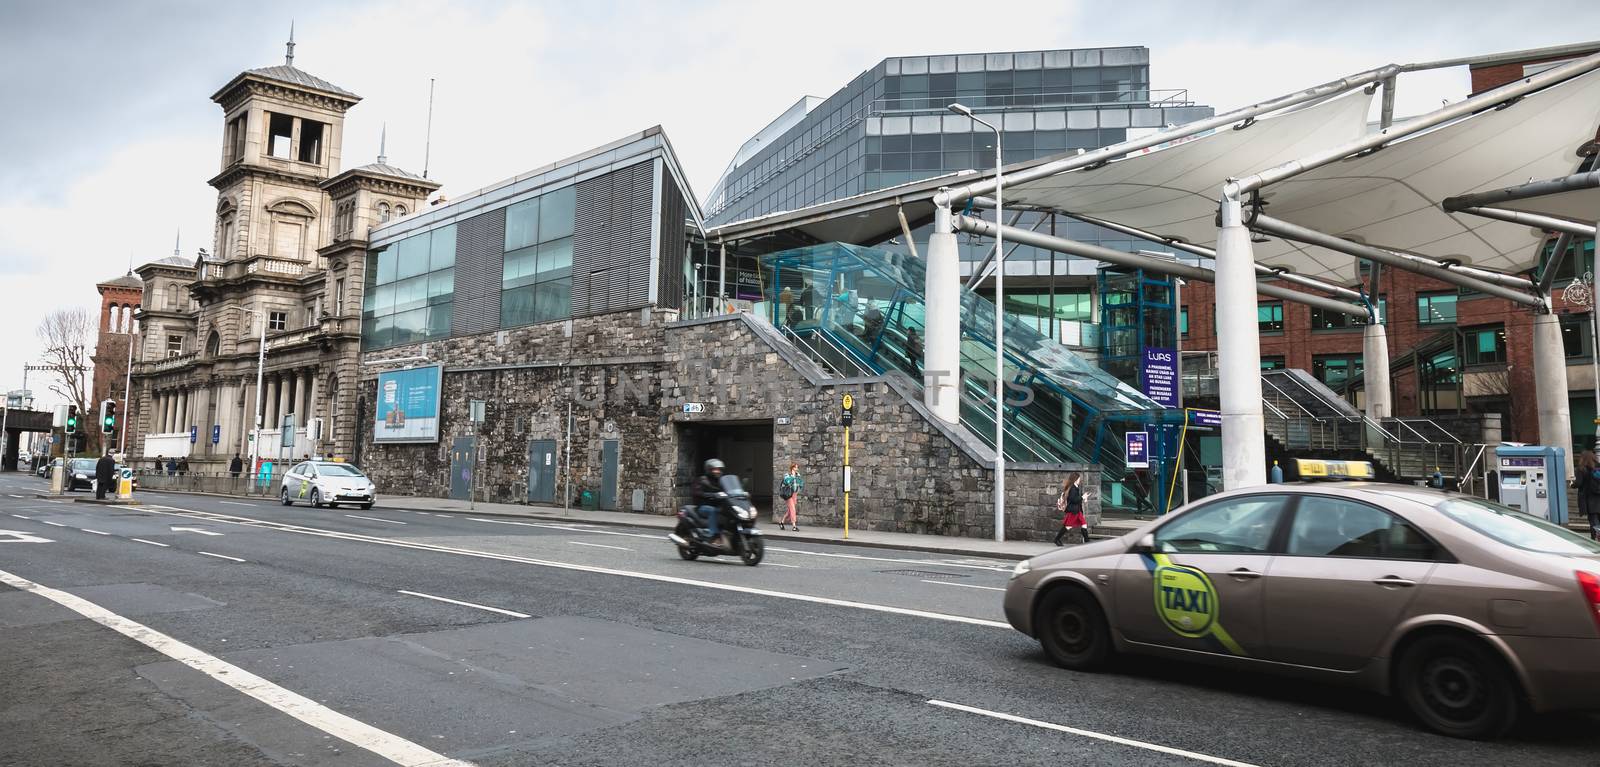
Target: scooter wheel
column 688, row 553
column 753, row 552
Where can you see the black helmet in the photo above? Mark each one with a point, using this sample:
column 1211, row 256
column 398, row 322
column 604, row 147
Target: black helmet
column 713, row 465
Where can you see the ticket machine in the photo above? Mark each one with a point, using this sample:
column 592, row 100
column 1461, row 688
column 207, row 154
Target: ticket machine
column 1533, row 478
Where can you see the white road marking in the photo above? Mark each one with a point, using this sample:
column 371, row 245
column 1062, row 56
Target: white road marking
column 220, row 556
column 19, row 516
column 511, row 613
column 152, row 543
column 938, row 562
column 1092, row 734
column 571, row 528
column 177, row 529
column 54, row 524
column 12, row 536
column 14, row 496
column 96, row 532
column 401, row 544
column 375, row 519
column 780, row 564
column 387, row 745
column 236, row 503
column 962, row 585
column 599, row 545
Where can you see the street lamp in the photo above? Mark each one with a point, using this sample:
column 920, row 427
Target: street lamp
column 261, row 367
column 999, row 331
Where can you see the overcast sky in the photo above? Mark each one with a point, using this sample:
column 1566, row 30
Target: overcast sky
column 110, row 133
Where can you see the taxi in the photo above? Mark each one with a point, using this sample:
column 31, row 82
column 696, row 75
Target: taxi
column 1469, row 611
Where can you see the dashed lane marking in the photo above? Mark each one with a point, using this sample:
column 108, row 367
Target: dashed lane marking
column 355, row 732
column 1195, row 755
column 599, row 546
column 511, row 613
column 52, row 524
column 375, row 519
column 96, row 532
column 152, row 543
column 220, row 556
column 962, row 585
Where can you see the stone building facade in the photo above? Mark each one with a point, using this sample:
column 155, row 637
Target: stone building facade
column 287, row 265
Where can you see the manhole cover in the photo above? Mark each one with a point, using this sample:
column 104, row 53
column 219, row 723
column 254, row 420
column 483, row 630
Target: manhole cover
column 922, row 573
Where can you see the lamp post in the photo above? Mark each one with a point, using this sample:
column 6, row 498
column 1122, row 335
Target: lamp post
column 999, row 330
column 261, row 367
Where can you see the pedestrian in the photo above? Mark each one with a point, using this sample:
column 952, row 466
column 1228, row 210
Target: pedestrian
column 105, row 470
column 235, row 466
column 914, row 347
column 789, row 491
column 161, row 463
column 183, row 465
column 1587, row 484
column 172, row 467
column 1070, row 504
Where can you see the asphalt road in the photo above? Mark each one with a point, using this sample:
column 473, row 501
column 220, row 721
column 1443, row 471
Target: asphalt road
column 235, row 632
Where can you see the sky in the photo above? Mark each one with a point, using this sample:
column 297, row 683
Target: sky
column 111, row 135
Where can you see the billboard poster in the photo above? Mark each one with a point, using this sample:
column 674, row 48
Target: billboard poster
column 1160, row 375
column 1136, row 450
column 408, row 405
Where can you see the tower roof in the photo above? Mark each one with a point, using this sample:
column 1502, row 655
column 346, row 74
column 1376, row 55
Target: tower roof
column 292, row 75
column 128, row 280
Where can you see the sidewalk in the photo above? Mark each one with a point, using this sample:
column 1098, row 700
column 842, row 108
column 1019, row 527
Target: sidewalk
column 936, row 544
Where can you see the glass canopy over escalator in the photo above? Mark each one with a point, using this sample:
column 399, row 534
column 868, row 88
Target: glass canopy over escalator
column 867, row 303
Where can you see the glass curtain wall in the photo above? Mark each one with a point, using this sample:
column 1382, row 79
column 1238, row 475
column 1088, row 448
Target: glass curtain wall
column 536, row 282
column 410, row 290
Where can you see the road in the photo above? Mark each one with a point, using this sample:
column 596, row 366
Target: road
column 200, row 630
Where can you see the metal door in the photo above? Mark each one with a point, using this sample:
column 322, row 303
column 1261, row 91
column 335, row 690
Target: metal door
column 461, row 453
column 542, row 471
column 608, row 474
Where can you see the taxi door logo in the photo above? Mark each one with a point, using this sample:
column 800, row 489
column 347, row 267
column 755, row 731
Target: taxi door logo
column 1185, row 600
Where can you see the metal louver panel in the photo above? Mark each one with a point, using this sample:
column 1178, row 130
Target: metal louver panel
column 480, row 258
column 674, row 241
column 611, row 241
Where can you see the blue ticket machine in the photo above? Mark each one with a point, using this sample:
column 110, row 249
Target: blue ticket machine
column 1533, row 479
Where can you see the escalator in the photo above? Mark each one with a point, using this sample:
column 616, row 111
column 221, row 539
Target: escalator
column 867, row 304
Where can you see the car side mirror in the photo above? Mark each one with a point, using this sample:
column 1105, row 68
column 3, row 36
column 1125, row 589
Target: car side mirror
column 1146, row 545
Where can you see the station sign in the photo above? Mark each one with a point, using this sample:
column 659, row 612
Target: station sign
column 694, row 407
column 847, row 407
column 1159, row 371
column 1212, row 418
column 1136, row 450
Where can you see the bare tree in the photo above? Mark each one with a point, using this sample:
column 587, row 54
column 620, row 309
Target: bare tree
column 66, row 335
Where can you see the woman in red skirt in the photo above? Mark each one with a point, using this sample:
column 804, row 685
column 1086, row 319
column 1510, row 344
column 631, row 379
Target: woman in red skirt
column 1070, row 504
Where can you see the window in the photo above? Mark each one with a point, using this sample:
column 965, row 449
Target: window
column 383, row 212
column 311, row 133
column 1273, row 363
column 280, row 135
column 1233, row 526
column 536, row 284
column 172, row 297
column 1269, row 317
column 1183, row 322
column 213, row 344
column 338, row 292
column 1484, row 346
column 236, row 130
column 1577, row 335
column 174, row 345
column 1514, row 528
column 1322, row 319
column 1336, row 370
column 1436, row 308
column 277, row 320
column 1335, row 527
column 399, row 211
column 411, row 290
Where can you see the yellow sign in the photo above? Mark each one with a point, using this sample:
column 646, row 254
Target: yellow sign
column 1315, row 469
column 849, row 402
column 1187, row 602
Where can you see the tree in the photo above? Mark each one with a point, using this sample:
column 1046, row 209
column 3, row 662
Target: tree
column 65, row 334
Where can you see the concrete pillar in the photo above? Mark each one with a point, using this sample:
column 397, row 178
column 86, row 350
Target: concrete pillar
column 312, row 405
column 304, row 397
column 1244, row 450
column 285, row 391
column 1375, row 373
column 157, row 412
column 171, row 412
column 941, row 357
column 183, row 410
column 227, row 411
column 269, row 413
column 1550, row 385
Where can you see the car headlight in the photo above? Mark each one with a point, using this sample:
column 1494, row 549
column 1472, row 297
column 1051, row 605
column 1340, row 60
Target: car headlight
column 83, row 476
column 1021, row 569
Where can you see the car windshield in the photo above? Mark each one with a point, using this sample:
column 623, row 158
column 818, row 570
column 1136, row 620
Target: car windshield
column 83, row 464
column 338, row 470
column 1514, row 528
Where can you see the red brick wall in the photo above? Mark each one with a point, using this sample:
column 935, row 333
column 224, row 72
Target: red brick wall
column 110, row 358
column 1486, row 77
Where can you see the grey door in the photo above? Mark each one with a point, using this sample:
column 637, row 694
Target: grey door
column 461, row 452
column 542, row 471
column 608, row 474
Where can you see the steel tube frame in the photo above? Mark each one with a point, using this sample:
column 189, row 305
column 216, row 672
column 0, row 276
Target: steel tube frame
column 1420, row 266
column 1536, row 220
column 1528, row 191
column 1331, row 88
column 1547, row 279
column 1099, row 253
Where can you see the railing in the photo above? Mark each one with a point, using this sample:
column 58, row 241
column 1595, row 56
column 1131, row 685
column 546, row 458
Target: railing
column 834, row 359
column 287, row 337
column 244, row 484
column 275, row 266
column 162, row 365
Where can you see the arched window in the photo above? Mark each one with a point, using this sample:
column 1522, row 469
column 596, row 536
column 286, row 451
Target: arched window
column 399, row 211
column 213, row 344
column 383, row 212
column 111, row 319
column 121, row 322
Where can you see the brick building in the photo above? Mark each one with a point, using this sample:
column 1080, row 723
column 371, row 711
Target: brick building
column 119, row 298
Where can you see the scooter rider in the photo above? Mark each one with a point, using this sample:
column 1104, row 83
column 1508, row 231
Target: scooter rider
column 706, row 491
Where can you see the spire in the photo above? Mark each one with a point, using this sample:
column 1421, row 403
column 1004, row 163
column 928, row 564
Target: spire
column 288, row 58
column 383, row 143
column 177, row 240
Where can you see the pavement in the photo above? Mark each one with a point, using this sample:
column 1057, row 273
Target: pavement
column 197, row 630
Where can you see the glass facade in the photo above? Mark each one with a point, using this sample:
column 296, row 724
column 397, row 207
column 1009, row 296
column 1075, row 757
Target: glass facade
column 536, row 283
column 1436, row 308
column 410, row 290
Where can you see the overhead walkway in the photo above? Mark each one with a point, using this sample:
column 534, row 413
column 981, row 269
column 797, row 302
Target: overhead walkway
column 860, row 311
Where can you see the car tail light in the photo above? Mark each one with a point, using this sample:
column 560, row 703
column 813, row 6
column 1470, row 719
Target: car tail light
column 1590, row 584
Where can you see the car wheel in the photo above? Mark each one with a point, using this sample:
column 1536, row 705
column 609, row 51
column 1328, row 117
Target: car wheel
column 1072, row 629
column 1458, row 687
column 283, row 498
column 316, row 499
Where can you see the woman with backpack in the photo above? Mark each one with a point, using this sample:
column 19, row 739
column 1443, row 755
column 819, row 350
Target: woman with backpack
column 1070, row 504
column 1588, row 487
column 789, row 491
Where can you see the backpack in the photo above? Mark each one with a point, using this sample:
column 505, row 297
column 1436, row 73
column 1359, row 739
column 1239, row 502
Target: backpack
column 786, row 489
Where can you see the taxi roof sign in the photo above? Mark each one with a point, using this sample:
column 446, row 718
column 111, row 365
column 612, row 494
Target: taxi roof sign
column 1311, row 468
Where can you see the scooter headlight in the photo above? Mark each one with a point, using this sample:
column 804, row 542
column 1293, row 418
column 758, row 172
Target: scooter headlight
column 746, row 514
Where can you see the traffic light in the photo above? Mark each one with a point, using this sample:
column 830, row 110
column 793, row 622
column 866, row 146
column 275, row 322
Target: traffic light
column 72, row 419
column 108, row 416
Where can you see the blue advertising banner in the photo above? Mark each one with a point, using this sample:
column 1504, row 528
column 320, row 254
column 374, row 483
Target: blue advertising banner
column 1136, row 452
column 408, row 405
column 1159, row 372
column 1205, row 417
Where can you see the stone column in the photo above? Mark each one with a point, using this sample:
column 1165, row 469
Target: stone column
column 311, row 406
column 157, row 412
column 1244, row 449
column 306, row 378
column 172, row 411
column 1550, row 385
column 183, row 410
column 269, row 411
column 285, row 391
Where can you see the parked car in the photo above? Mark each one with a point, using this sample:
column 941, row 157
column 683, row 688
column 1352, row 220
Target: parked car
column 327, row 482
column 80, row 473
column 46, row 466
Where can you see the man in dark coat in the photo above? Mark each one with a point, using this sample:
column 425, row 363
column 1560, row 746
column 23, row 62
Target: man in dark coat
column 105, row 472
column 236, row 465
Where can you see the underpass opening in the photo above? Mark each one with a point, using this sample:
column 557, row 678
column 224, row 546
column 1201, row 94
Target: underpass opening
column 744, row 446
